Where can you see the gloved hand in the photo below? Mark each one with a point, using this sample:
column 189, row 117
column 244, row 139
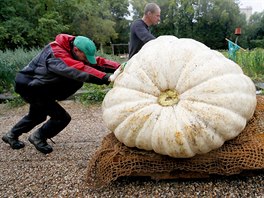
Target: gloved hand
column 115, row 74
column 123, row 65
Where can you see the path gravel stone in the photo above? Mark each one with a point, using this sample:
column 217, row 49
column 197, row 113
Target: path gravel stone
column 29, row 173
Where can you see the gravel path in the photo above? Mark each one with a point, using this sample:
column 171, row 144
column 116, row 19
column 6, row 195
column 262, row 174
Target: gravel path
column 28, row 173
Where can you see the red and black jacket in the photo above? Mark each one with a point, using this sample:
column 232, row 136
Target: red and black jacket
column 56, row 65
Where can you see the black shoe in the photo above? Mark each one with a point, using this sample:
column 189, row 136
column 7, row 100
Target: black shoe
column 13, row 141
column 40, row 143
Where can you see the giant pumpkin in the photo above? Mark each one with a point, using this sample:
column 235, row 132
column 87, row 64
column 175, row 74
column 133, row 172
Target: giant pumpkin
column 179, row 98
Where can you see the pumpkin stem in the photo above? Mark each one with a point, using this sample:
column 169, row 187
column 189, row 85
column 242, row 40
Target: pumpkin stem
column 168, row 98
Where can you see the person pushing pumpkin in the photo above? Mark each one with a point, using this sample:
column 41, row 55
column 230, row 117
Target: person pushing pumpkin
column 56, row 73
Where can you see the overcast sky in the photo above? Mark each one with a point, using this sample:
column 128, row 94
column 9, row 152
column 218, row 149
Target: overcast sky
column 257, row 5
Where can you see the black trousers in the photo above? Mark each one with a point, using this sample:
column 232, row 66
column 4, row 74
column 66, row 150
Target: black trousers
column 38, row 113
column 43, row 103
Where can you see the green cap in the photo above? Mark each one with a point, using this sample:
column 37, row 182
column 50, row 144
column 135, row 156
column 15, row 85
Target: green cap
column 87, row 46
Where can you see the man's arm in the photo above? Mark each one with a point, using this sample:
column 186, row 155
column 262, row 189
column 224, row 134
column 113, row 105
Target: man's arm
column 79, row 72
column 106, row 65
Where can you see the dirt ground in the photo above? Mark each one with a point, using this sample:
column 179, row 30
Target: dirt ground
column 29, row 173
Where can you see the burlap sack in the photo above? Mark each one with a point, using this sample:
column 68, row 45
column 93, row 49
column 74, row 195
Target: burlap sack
column 246, row 152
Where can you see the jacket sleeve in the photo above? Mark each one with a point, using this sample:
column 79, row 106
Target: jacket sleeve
column 77, row 71
column 103, row 62
column 106, row 65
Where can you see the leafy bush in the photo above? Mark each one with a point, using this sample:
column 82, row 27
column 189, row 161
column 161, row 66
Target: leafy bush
column 17, row 101
column 93, row 93
column 10, row 63
column 251, row 62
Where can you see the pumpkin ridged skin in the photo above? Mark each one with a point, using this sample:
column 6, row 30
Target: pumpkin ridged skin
column 179, row 98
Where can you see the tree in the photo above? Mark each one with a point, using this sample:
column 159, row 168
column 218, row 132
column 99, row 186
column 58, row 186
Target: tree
column 215, row 20
column 90, row 18
column 138, row 8
column 177, row 18
column 49, row 25
column 28, row 23
column 255, row 30
column 119, row 11
column 208, row 21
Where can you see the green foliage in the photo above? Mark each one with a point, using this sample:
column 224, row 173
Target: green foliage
column 208, row 21
column 17, row 101
column 49, row 25
column 138, row 8
column 10, row 63
column 30, row 23
column 251, row 62
column 119, row 8
column 255, row 31
column 257, row 43
column 93, row 93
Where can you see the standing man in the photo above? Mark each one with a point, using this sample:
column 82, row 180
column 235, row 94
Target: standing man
column 139, row 30
column 56, row 73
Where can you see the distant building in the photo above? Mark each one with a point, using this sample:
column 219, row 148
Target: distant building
column 247, row 11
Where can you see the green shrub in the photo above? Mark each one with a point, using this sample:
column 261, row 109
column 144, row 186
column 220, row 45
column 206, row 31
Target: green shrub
column 251, row 62
column 93, row 93
column 10, row 63
column 17, row 101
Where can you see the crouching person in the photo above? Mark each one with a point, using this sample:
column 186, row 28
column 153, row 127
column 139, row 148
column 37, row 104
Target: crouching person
column 56, row 73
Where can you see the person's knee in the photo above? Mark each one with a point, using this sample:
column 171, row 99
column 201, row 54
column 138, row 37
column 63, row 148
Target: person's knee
column 61, row 116
column 41, row 119
column 64, row 119
column 67, row 118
